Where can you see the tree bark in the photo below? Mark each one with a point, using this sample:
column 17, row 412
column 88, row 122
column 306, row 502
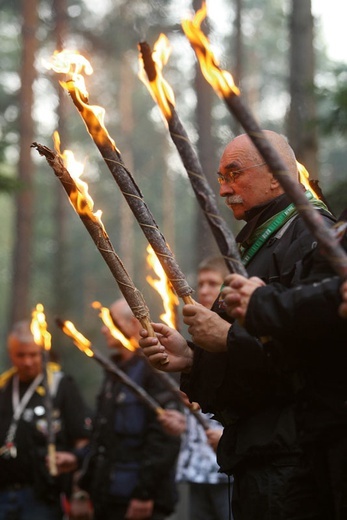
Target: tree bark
column 301, row 129
column 22, row 253
column 60, row 281
column 238, row 53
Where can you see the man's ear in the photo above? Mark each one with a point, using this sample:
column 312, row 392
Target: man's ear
column 274, row 183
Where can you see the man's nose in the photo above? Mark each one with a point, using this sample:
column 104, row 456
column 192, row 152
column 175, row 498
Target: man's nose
column 225, row 189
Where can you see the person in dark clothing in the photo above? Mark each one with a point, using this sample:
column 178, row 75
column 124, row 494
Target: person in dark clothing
column 27, row 490
column 303, row 325
column 302, row 312
column 131, row 465
column 209, row 490
column 225, row 369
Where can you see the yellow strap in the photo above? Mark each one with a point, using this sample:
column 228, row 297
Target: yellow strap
column 5, row 376
column 54, row 367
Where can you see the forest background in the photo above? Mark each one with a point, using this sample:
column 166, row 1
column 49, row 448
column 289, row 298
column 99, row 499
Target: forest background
column 277, row 54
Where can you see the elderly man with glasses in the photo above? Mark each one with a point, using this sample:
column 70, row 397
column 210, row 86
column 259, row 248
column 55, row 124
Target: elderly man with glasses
column 250, row 389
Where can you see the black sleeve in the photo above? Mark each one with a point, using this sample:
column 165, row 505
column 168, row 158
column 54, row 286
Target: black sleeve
column 245, row 351
column 239, row 378
column 306, row 310
column 203, row 382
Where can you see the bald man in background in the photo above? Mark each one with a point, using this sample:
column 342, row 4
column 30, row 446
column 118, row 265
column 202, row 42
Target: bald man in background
column 27, row 490
column 132, row 462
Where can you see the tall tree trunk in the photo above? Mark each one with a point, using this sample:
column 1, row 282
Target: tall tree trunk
column 205, row 242
column 60, row 282
column 302, row 113
column 238, row 53
column 22, row 254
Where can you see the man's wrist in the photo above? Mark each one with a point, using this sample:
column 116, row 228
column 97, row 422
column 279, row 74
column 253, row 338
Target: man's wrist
column 189, row 360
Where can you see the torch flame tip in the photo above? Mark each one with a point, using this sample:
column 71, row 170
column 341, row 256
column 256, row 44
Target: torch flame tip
column 221, row 80
column 151, row 66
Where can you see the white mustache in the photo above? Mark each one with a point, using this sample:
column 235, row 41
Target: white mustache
column 233, row 199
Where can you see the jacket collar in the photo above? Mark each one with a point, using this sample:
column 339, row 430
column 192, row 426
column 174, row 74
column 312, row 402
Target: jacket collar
column 259, row 214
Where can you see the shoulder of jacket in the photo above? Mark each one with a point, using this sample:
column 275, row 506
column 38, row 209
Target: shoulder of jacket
column 6, row 376
column 298, row 228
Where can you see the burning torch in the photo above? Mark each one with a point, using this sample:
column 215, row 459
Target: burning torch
column 151, row 74
column 85, row 346
column 93, row 117
column 43, row 338
column 83, row 204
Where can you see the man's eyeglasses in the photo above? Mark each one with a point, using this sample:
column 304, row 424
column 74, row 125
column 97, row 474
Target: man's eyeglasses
column 230, row 177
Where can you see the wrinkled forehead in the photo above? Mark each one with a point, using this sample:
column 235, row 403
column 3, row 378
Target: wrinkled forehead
column 239, row 153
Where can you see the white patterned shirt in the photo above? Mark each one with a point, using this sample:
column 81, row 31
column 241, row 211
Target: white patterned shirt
column 197, row 461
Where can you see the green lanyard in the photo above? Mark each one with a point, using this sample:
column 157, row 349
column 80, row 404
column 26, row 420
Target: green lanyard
column 276, row 224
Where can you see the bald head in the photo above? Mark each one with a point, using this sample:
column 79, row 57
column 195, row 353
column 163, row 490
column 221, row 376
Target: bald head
column 279, row 142
column 245, row 179
column 25, row 355
column 121, row 308
column 20, row 332
column 124, row 319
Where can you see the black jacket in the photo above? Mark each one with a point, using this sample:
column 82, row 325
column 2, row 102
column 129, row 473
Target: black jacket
column 250, row 393
column 131, row 455
column 70, row 421
column 308, row 332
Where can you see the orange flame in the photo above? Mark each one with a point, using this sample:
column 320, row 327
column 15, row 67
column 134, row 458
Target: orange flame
column 163, row 286
column 38, row 327
column 221, row 80
column 79, row 340
column 72, row 63
column 79, row 197
column 107, row 320
column 304, row 179
column 159, row 88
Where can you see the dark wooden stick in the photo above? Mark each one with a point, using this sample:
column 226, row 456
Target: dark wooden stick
column 202, row 189
column 108, row 365
column 131, row 192
column 175, row 389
